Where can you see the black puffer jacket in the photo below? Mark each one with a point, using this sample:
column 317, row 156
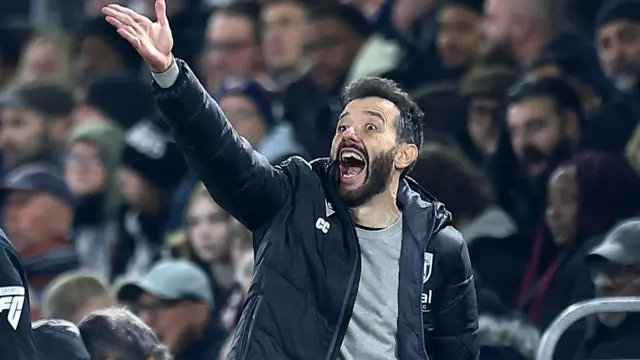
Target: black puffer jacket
column 307, row 252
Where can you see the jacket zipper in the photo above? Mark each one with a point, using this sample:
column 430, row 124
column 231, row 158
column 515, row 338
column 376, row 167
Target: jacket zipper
column 424, row 347
column 349, row 300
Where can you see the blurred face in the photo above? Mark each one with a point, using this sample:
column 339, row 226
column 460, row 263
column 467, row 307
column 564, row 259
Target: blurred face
column 137, row 191
column 208, row 229
column 618, row 46
column 172, row 321
column 283, row 34
column 232, row 50
column 244, row 117
column 331, row 47
column 563, row 204
column 94, row 58
column 32, row 220
column 500, row 22
column 459, row 36
column 484, row 123
column 536, row 130
column 366, row 149
column 40, row 61
column 85, row 172
column 612, row 279
column 23, row 136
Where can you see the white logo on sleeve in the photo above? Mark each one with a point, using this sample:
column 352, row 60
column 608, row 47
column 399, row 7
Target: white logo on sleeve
column 323, row 225
column 11, row 302
column 328, row 208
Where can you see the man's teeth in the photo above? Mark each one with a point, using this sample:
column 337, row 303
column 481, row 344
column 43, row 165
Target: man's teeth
column 351, row 155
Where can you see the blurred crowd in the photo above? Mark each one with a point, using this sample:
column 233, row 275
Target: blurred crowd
column 533, row 143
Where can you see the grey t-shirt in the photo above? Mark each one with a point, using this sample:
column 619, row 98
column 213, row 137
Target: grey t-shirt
column 372, row 331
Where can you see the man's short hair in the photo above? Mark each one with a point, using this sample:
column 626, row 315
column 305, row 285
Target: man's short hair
column 70, row 292
column 347, row 14
column 245, row 9
column 564, row 97
column 409, row 124
column 117, row 334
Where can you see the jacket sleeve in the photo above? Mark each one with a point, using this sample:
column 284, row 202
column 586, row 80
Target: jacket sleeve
column 238, row 178
column 455, row 334
column 15, row 316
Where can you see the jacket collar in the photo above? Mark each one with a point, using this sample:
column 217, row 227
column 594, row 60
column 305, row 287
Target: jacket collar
column 417, row 205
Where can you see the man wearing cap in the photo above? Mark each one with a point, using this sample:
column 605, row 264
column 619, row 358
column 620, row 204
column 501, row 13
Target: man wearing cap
column 615, row 266
column 459, row 34
column 59, row 339
column 38, row 213
column 35, row 119
column 175, row 299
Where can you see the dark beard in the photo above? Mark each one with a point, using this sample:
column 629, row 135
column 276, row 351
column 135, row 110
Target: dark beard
column 375, row 183
column 561, row 153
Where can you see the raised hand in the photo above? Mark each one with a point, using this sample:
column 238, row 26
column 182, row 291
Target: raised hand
column 152, row 40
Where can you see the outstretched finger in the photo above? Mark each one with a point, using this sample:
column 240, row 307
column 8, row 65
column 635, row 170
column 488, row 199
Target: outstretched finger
column 161, row 12
column 134, row 15
column 124, row 19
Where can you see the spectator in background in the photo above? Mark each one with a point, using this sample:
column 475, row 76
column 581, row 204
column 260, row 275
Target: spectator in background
column 618, row 44
column 45, row 56
column 176, row 300
column 248, row 107
column 91, row 162
column 38, row 214
column 35, row 119
column 100, row 50
column 524, row 30
column 116, row 97
column 544, row 119
column 233, row 45
column 151, row 168
column 283, row 23
column 210, row 234
column 59, row 339
column 490, row 233
column 459, row 35
column 484, row 88
column 615, row 269
column 117, row 334
column 72, row 296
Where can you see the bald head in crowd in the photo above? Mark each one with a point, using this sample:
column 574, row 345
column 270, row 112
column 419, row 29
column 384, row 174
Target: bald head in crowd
column 521, row 28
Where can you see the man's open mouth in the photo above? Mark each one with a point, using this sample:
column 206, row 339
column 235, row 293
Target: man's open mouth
column 352, row 166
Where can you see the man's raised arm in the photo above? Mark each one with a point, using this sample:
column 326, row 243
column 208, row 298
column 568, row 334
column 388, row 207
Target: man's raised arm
column 239, row 179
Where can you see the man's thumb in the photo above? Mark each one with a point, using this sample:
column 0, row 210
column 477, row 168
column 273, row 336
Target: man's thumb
column 161, row 12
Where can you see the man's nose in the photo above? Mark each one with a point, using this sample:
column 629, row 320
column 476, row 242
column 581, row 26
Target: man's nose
column 350, row 135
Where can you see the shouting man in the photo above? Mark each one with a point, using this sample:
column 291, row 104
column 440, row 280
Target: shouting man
column 353, row 259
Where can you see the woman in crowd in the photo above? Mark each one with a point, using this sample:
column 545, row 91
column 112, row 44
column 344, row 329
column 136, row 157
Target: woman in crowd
column 218, row 243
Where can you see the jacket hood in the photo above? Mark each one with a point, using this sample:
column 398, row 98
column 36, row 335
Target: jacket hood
column 410, row 194
column 108, row 138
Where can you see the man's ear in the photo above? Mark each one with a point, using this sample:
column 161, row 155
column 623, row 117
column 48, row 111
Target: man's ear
column 406, row 155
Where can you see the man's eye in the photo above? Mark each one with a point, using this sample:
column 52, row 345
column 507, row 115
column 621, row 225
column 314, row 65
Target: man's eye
column 342, row 128
column 371, row 127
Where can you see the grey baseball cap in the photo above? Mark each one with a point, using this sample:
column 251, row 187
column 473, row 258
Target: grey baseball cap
column 621, row 245
column 170, row 279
